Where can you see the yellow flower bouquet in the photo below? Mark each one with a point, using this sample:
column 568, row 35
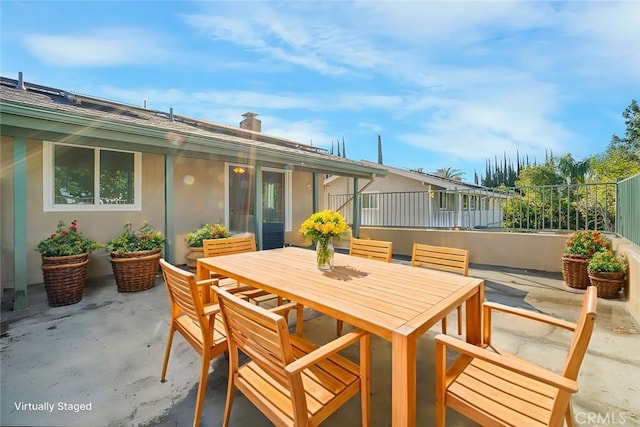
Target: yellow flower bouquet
column 321, row 228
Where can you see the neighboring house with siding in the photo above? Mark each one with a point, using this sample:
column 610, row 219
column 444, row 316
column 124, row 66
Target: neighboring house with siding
column 67, row 156
column 413, row 198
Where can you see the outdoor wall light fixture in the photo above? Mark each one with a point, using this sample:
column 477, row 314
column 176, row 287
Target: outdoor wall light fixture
column 238, row 170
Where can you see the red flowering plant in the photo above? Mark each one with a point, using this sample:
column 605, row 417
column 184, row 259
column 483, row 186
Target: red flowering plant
column 66, row 241
column 586, row 243
column 143, row 239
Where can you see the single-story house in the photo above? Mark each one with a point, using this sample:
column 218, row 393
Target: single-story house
column 67, row 156
column 414, row 198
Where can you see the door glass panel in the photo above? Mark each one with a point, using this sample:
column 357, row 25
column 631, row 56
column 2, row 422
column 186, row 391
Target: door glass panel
column 273, row 209
column 273, row 197
column 241, row 197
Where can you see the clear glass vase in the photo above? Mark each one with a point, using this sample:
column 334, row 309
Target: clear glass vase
column 324, row 253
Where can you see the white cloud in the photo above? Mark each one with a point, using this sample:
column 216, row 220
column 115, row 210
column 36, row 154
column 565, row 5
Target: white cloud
column 101, row 47
column 466, row 79
column 304, row 131
column 303, row 35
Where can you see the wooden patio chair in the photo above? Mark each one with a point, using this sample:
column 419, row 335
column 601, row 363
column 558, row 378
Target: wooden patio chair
column 498, row 389
column 236, row 245
column 374, row 249
column 195, row 321
column 442, row 258
column 291, row 381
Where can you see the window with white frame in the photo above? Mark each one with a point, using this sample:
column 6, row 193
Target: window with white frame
column 80, row 178
column 370, row 200
column 443, row 200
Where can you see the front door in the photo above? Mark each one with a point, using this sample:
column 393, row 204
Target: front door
column 273, row 209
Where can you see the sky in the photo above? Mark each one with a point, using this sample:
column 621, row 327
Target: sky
column 446, row 84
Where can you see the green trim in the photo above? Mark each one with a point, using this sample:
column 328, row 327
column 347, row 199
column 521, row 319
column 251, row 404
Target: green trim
column 169, row 214
column 20, row 223
column 257, row 208
column 355, row 227
column 314, row 192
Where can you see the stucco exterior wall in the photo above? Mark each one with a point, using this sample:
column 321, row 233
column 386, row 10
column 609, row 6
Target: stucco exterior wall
column 96, row 225
column 301, row 205
column 198, row 198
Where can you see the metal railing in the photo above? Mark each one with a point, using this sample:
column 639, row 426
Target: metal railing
column 628, row 209
column 542, row 208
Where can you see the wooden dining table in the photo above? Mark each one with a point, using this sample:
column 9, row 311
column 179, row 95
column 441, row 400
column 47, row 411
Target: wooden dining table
column 394, row 301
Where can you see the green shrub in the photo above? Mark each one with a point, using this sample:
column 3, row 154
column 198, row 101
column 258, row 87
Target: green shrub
column 207, row 231
column 144, row 239
column 606, row 262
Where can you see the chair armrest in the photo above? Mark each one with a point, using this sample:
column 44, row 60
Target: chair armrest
column 206, row 282
column 204, row 295
column 210, row 309
column 511, row 363
column 488, row 306
column 324, row 351
column 285, row 307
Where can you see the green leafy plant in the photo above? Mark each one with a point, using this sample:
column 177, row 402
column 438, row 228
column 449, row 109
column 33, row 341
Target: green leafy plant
column 66, row 241
column 606, row 262
column 143, row 239
column 586, row 243
column 207, row 231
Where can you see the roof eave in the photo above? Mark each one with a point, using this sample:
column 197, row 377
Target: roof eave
column 45, row 122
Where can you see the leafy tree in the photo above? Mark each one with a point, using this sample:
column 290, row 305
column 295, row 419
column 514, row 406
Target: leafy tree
column 622, row 158
column 573, row 171
column 630, row 143
column 614, row 164
column 546, row 174
column 548, row 197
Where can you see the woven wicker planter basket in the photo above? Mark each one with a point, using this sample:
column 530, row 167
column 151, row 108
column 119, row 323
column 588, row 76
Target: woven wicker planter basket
column 608, row 284
column 574, row 272
column 135, row 271
column 64, row 278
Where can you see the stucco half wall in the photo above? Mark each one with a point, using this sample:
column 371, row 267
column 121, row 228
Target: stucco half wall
column 520, row 250
column 632, row 286
column 533, row 251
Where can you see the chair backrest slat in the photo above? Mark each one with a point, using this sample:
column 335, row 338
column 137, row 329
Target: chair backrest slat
column 440, row 258
column 229, row 245
column 260, row 334
column 582, row 335
column 373, row 249
column 183, row 291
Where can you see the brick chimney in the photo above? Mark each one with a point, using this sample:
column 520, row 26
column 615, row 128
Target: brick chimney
column 250, row 122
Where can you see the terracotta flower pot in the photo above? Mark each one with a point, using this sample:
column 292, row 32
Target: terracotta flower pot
column 192, row 257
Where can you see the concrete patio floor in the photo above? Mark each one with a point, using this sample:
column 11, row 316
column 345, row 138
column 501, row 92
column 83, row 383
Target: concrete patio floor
column 106, row 353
